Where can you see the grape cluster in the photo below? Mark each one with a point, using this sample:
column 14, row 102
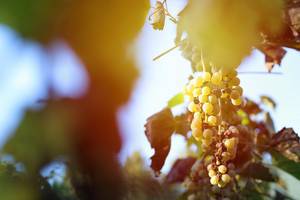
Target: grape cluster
column 207, row 93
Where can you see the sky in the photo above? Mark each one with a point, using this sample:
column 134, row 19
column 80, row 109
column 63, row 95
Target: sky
column 23, row 82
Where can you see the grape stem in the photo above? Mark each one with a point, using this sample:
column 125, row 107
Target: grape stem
column 167, row 51
column 202, row 61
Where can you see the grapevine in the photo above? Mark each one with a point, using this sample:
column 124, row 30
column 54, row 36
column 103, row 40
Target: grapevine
column 219, row 121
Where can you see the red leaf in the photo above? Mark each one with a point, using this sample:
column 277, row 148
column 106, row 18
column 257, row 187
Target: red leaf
column 287, row 142
column 180, row 170
column 273, row 55
column 159, row 129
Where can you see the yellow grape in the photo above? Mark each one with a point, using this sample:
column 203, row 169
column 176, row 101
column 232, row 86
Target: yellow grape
column 216, row 78
column 207, row 108
column 196, row 123
column 207, row 133
column 207, row 141
column 206, row 90
column 235, row 94
column 193, row 107
column 198, row 81
column 212, row 120
column 206, row 76
column 239, row 89
column 197, row 115
column 222, row 169
column 209, row 167
column 221, row 184
column 197, row 133
column 213, row 99
column 230, row 143
column 212, row 173
column 225, row 178
column 214, row 180
column 203, row 98
column 236, row 102
column 235, row 81
column 196, row 92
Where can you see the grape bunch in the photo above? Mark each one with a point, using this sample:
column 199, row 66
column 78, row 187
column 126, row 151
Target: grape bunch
column 207, row 94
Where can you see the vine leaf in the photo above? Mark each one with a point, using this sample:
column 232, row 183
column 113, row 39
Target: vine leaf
column 176, row 100
column 258, row 171
column 286, row 141
column 273, row 55
column 285, row 164
column 180, row 170
column 159, row 129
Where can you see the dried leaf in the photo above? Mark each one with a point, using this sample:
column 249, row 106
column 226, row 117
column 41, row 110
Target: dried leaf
column 159, row 129
column 286, row 141
column 269, row 122
column 180, row 170
column 183, row 123
column 268, row 101
column 251, row 108
column 273, row 55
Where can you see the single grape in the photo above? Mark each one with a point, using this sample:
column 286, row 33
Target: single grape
column 239, row 89
column 216, row 78
column 236, row 102
column 206, row 76
column 196, row 123
column 197, row 133
column 213, row 99
column 212, row 120
column 225, row 178
column 198, row 81
column 193, row 107
column 212, row 173
column 222, row 169
column 235, row 81
column 196, row 92
column 207, row 108
column 203, row 98
column 235, row 94
column 206, row 90
column 207, row 133
column 214, row 180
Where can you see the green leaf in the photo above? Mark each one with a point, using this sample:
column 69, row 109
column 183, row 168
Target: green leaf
column 176, row 100
column 285, row 164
